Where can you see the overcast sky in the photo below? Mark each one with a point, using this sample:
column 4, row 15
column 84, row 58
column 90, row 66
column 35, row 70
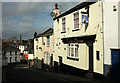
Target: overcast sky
column 25, row 18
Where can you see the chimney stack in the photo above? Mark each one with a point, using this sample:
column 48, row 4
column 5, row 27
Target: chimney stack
column 56, row 6
column 56, row 10
column 35, row 34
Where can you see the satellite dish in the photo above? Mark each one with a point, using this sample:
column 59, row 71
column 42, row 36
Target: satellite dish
column 52, row 14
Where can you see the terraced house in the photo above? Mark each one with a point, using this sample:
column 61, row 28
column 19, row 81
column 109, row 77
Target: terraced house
column 43, row 50
column 10, row 53
column 86, row 38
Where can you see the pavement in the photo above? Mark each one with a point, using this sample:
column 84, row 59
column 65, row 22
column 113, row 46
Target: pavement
column 21, row 73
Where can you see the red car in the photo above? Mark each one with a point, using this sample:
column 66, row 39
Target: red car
column 25, row 56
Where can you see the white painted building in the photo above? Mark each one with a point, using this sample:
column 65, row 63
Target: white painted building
column 29, row 52
column 86, row 35
column 111, row 28
column 11, row 54
column 30, row 56
column 22, row 48
column 43, row 48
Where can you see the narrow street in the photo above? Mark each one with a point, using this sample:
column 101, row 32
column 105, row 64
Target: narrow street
column 21, row 73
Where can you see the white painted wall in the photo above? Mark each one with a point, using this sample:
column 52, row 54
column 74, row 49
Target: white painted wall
column 22, row 48
column 95, row 27
column 110, row 30
column 13, row 57
column 30, row 56
column 42, row 53
column 119, row 24
column 25, row 52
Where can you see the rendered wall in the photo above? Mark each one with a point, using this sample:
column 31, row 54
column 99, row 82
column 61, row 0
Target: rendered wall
column 13, row 57
column 119, row 24
column 110, row 30
column 95, row 27
column 41, row 53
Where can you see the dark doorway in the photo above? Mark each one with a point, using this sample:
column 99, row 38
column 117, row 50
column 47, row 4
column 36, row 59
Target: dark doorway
column 60, row 63
column 115, row 53
column 42, row 64
column 51, row 60
column 91, row 58
column 10, row 59
column 15, row 58
column 55, row 66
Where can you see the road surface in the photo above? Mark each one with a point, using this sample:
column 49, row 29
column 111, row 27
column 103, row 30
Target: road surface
column 21, row 73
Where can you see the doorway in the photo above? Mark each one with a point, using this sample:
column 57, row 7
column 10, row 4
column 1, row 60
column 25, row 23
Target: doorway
column 60, row 63
column 115, row 54
column 10, row 59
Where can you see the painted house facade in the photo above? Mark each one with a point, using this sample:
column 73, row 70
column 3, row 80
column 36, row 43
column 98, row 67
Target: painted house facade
column 111, row 38
column 82, row 37
column 22, row 48
column 29, row 52
column 11, row 54
column 43, row 49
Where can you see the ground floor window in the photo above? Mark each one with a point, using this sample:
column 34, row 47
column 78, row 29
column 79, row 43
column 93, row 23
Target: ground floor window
column 73, row 50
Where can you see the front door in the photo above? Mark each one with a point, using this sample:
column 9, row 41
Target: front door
column 60, row 63
column 115, row 64
column 91, row 58
column 42, row 64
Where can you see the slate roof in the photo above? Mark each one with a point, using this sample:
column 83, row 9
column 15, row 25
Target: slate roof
column 7, row 47
column 46, row 33
column 79, row 6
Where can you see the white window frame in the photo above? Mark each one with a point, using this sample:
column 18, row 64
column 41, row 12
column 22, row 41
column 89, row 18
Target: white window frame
column 73, row 45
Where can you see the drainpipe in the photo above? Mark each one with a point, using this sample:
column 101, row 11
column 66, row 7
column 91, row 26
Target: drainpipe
column 103, row 34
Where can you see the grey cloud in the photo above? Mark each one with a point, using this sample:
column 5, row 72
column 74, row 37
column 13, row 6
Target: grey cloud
column 29, row 13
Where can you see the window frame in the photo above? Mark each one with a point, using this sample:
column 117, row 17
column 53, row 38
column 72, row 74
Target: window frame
column 47, row 58
column 98, row 55
column 48, row 40
column 74, row 46
column 63, row 25
column 42, row 40
column 75, row 28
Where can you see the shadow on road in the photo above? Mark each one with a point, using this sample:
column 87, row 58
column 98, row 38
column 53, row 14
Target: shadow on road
column 21, row 73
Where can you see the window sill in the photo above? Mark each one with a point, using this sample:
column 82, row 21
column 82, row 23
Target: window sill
column 63, row 32
column 73, row 58
column 75, row 30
